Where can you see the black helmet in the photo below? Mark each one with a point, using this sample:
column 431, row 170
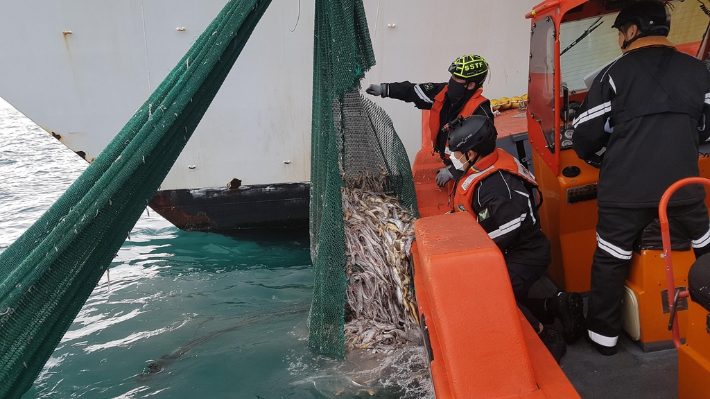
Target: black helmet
column 650, row 16
column 475, row 133
column 471, row 67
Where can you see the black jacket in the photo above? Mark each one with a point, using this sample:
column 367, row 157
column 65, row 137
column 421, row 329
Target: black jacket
column 649, row 109
column 422, row 95
column 505, row 209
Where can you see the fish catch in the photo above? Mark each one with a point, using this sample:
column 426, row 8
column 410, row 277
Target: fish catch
column 381, row 312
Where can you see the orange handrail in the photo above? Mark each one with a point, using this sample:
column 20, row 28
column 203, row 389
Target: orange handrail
column 666, row 236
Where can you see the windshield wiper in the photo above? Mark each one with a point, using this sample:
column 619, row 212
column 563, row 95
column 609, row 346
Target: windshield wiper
column 586, row 33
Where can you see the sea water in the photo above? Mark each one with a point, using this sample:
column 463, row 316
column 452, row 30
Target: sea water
column 187, row 314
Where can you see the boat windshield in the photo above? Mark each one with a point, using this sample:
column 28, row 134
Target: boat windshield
column 601, row 46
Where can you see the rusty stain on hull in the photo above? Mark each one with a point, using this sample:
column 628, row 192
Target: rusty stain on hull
column 161, row 203
column 234, row 184
column 59, row 137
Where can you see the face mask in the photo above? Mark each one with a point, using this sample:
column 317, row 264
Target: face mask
column 457, row 164
column 456, row 91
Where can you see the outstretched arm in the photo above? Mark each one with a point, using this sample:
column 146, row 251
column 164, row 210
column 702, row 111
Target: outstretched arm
column 421, row 94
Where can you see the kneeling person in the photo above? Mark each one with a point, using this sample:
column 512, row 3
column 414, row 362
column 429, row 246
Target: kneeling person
column 499, row 191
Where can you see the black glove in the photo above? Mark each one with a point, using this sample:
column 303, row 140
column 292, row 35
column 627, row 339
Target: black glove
column 443, row 176
column 378, row 90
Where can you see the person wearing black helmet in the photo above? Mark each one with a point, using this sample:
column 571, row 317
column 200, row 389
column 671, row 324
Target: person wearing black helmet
column 499, row 192
column 461, row 96
column 647, row 113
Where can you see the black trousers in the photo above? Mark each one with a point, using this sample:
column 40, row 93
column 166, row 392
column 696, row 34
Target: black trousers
column 522, row 277
column 617, row 229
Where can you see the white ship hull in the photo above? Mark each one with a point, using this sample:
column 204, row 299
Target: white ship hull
column 80, row 68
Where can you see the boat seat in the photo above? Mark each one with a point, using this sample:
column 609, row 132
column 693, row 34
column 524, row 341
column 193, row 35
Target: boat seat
column 645, row 313
column 699, row 281
column 650, row 237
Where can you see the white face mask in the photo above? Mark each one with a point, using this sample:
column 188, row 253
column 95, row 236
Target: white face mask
column 457, row 164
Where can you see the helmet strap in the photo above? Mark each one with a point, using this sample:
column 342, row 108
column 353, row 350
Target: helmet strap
column 627, row 43
column 483, row 162
column 639, row 34
column 470, row 162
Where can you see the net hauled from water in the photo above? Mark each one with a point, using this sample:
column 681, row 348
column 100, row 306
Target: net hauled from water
column 352, row 141
column 49, row 272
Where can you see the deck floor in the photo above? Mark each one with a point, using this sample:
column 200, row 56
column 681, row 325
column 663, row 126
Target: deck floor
column 631, row 373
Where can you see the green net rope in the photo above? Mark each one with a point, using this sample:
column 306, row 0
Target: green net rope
column 50, row 271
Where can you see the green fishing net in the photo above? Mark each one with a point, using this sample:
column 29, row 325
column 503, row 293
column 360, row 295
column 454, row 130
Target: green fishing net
column 351, row 138
column 49, row 272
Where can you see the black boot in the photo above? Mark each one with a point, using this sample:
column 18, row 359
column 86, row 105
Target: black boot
column 554, row 343
column 604, row 350
column 569, row 308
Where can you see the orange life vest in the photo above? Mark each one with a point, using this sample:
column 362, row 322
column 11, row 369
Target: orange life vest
column 434, row 122
column 498, row 160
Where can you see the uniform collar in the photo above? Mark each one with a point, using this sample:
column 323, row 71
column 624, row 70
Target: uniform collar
column 649, row 41
column 485, row 162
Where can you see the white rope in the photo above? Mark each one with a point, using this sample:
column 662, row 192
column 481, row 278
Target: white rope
column 298, row 18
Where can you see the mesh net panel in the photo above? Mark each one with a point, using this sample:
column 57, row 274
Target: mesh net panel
column 351, row 138
column 50, row 271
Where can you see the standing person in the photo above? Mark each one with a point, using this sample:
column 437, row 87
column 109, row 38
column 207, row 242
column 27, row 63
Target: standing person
column 499, row 191
column 649, row 109
column 461, row 96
